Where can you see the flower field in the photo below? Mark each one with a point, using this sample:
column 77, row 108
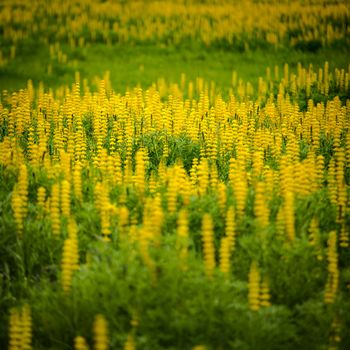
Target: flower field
column 189, row 213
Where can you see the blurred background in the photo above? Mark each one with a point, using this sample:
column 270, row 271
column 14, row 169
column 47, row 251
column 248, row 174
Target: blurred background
column 141, row 42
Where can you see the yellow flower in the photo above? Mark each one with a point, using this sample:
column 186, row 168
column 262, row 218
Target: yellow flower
column 100, row 329
column 254, row 287
column 208, row 244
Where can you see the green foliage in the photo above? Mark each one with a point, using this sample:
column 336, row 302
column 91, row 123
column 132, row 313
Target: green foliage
column 181, row 310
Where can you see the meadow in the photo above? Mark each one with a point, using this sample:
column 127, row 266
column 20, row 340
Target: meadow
column 174, row 175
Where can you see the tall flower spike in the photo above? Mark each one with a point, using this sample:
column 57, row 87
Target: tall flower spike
column 222, row 196
column 289, row 214
column 41, row 195
column 20, row 329
column 80, row 343
column 208, row 244
column 172, row 191
column 55, row 209
column 254, row 287
column 77, row 182
column 182, row 236
column 260, row 206
column 15, row 330
column 333, row 270
column 100, row 329
column 65, row 198
column 225, row 255
column 20, row 199
column 26, row 339
column 230, row 229
column 70, row 260
column 344, row 236
column 265, row 293
column 130, row 343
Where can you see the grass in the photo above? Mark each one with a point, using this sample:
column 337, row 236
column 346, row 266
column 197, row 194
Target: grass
column 144, row 65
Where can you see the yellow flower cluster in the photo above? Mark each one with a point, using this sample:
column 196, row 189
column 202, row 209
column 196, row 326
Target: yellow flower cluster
column 225, row 253
column 254, row 287
column 259, row 291
column 265, row 293
column 20, row 199
column 100, row 328
column 41, row 198
column 80, row 343
column 208, row 244
column 20, row 329
column 103, row 206
column 107, row 150
column 55, row 209
column 168, row 22
column 100, row 336
column 335, row 338
column 333, row 269
column 130, row 343
column 182, row 236
column 70, row 256
column 230, row 227
column 261, row 206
